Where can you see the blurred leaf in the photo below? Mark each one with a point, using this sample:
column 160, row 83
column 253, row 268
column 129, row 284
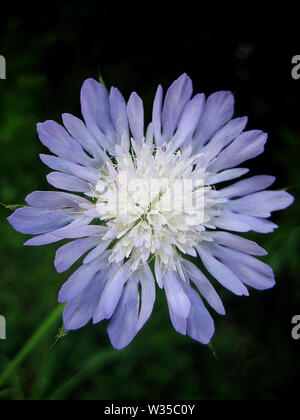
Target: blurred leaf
column 12, row 206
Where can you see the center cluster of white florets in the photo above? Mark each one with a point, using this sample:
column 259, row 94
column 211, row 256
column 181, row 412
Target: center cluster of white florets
column 154, row 203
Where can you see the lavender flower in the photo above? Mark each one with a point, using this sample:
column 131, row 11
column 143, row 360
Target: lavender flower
column 133, row 226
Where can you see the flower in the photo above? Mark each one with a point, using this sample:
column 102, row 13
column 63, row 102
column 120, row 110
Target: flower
column 149, row 208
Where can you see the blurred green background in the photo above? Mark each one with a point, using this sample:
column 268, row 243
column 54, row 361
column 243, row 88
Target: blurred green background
column 48, row 57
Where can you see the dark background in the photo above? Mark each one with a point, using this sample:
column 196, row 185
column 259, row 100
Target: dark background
column 49, row 54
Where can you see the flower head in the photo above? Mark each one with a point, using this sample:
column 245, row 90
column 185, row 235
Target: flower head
column 149, row 207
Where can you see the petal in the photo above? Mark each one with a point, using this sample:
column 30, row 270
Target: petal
column 33, row 221
column 247, row 186
column 79, row 280
column 97, row 252
column 204, row 286
column 246, row 146
column 249, row 270
column 176, row 98
column 59, row 234
column 56, row 200
column 95, row 109
column 135, row 111
column 123, row 325
column 81, row 134
column 156, row 116
column 261, row 204
column 227, row 175
column 257, row 224
column 68, row 254
column 231, row 221
column 243, row 223
column 148, row 295
column 177, row 299
column 45, row 239
column 218, row 111
column 222, row 273
column 80, row 310
column 188, row 122
column 68, row 182
column 119, row 114
column 149, row 135
column 158, row 273
column 237, row 242
column 70, row 168
column 59, row 142
column 112, row 293
column 179, row 323
column 221, row 139
column 80, row 230
column 200, row 325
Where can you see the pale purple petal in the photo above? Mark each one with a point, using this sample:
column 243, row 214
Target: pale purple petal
column 257, row 224
column 158, row 274
column 246, row 146
column 156, row 116
column 80, row 230
column 34, row 221
column 237, row 242
column 204, row 286
column 243, row 223
column 123, row 325
column 79, row 311
column 56, row 200
column 231, row 221
column 149, row 134
column 68, row 254
column 79, row 280
column 222, row 273
column 247, row 186
column 188, row 122
column 68, row 182
column 79, row 131
column 45, row 239
column 148, row 295
column 135, row 111
column 61, row 233
column 200, row 325
column 249, row 270
column 261, row 204
column 226, row 175
column 95, row 109
column 221, row 139
column 119, row 114
column 97, row 252
column 63, row 165
column 113, row 292
column 218, row 111
column 176, row 98
column 59, row 142
column 176, row 296
column 179, row 323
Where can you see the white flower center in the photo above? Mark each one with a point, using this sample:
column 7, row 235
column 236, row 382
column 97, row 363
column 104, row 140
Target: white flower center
column 154, row 203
